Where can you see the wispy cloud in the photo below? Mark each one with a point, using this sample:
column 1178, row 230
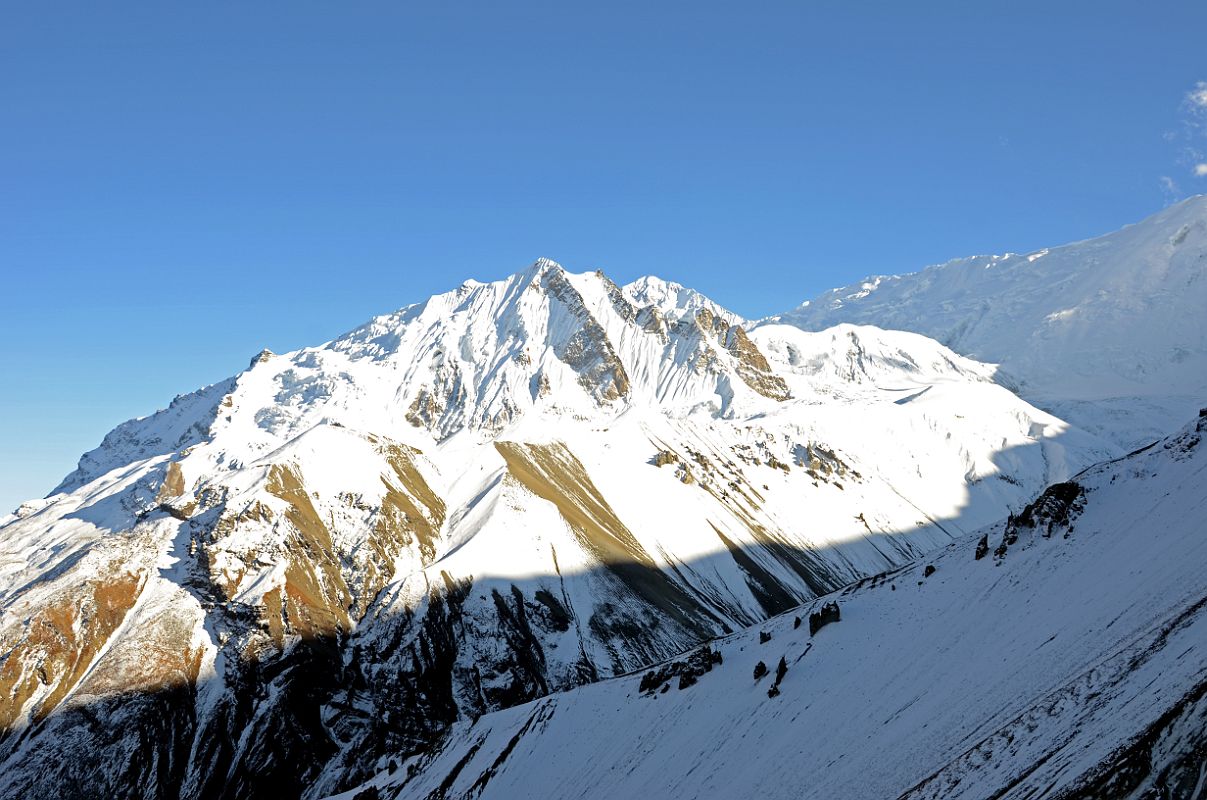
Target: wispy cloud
column 1170, row 190
column 1196, row 98
column 1190, row 138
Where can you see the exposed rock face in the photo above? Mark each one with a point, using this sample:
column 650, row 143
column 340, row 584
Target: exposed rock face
column 314, row 599
column 688, row 670
column 621, row 304
column 425, row 410
column 261, row 357
column 652, row 320
column 47, row 656
column 751, row 365
column 819, row 619
column 588, row 351
column 1053, row 511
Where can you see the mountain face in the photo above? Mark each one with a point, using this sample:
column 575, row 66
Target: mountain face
column 1109, row 333
column 1057, row 654
column 285, row 579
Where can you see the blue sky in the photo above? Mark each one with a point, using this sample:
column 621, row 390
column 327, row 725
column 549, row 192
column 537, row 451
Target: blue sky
column 181, row 186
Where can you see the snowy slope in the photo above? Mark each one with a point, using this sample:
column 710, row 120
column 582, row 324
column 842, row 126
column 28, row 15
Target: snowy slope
column 509, row 489
column 1062, row 655
column 1109, row 333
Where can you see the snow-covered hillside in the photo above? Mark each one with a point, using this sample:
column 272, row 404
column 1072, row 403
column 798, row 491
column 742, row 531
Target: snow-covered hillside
column 1059, row 655
column 510, row 489
column 1109, row 333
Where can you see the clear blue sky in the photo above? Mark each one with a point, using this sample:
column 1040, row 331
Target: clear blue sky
column 184, row 184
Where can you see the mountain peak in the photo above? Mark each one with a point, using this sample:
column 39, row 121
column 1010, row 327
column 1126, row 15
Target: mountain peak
column 673, row 299
column 261, row 357
column 542, row 265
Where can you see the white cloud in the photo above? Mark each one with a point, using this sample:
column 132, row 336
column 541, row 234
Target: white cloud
column 1197, row 97
column 1200, row 170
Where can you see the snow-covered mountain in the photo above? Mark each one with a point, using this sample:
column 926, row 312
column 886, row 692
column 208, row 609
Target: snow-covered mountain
column 1059, row 654
column 1109, row 333
column 510, row 489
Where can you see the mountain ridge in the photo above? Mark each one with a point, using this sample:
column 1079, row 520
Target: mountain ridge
column 1107, row 332
column 511, row 488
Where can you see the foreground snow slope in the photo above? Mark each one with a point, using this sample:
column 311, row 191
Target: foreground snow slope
column 1109, row 333
column 1064, row 655
column 510, row 489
